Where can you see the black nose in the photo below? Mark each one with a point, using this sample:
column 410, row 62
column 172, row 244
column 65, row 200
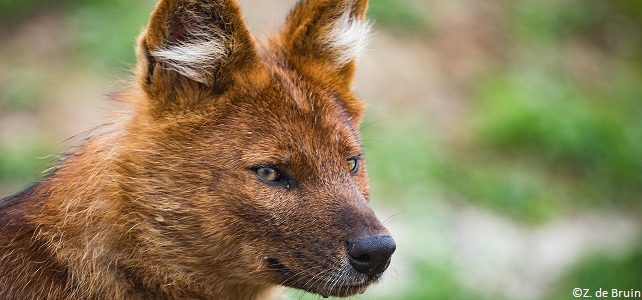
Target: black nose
column 371, row 256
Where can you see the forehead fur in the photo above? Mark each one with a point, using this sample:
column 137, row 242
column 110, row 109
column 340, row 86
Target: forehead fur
column 289, row 115
column 288, row 97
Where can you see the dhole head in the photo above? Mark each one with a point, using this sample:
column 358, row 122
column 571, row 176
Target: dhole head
column 244, row 159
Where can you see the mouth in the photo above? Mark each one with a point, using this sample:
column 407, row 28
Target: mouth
column 343, row 282
column 346, row 290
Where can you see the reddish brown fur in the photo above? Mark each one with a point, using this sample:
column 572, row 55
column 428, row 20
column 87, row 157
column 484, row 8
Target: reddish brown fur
column 163, row 204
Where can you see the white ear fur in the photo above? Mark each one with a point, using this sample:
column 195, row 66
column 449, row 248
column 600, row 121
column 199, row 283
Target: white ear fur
column 197, row 58
column 347, row 38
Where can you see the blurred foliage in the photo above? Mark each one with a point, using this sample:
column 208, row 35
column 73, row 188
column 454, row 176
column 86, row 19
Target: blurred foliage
column 20, row 165
column 551, row 121
column 435, row 282
column 399, row 161
column 106, row 31
column 544, row 142
column 12, row 11
column 622, row 272
column 397, row 15
column 550, row 20
column 23, row 91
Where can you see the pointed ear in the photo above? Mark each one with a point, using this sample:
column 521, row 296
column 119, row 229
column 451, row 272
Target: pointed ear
column 193, row 46
column 326, row 33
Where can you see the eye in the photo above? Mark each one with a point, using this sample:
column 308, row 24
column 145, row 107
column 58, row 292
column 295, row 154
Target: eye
column 353, row 165
column 269, row 175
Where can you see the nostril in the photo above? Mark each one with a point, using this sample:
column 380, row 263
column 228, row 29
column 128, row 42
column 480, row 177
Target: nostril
column 362, row 258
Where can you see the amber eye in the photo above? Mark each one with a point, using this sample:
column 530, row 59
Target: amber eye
column 353, row 165
column 268, row 174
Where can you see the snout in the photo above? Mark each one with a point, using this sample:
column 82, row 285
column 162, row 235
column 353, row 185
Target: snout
column 371, row 255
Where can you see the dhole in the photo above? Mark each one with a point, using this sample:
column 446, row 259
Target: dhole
column 237, row 168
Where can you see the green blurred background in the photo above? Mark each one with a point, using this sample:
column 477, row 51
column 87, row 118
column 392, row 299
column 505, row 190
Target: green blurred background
column 503, row 137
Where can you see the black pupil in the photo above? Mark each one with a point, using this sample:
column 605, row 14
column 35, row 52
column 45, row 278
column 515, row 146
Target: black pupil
column 267, row 173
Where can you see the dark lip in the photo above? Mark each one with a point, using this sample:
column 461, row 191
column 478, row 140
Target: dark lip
column 290, row 278
column 275, row 265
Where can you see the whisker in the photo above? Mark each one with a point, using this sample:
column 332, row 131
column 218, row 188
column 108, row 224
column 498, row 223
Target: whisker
column 392, row 216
